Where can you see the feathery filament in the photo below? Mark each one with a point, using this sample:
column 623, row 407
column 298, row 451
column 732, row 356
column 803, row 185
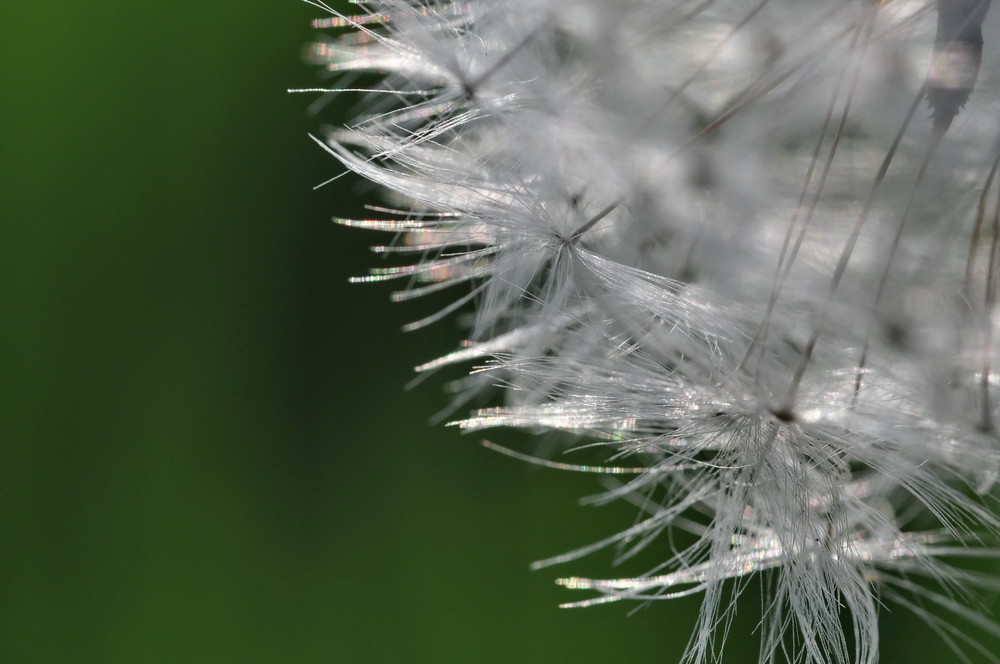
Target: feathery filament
column 746, row 249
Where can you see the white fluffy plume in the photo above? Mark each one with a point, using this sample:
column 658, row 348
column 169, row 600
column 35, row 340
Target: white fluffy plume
column 748, row 248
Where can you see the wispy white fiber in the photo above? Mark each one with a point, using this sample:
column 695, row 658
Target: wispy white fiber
column 743, row 251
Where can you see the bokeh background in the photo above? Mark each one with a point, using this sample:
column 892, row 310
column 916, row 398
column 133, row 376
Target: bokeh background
column 206, row 450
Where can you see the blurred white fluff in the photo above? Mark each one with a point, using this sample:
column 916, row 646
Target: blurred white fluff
column 726, row 241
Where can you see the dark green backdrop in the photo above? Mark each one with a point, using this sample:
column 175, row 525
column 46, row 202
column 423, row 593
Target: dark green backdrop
column 207, row 454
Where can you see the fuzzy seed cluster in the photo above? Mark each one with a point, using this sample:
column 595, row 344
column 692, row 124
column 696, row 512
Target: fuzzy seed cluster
column 745, row 250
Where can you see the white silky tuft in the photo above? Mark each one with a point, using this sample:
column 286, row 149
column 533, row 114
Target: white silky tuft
column 748, row 248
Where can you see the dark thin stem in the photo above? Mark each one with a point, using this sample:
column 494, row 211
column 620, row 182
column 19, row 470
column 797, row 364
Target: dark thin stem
column 590, row 223
column 848, row 250
column 932, row 146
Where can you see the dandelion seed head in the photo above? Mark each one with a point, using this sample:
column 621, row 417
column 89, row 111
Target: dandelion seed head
column 746, row 248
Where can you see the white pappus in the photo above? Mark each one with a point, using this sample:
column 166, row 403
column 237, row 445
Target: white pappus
column 747, row 248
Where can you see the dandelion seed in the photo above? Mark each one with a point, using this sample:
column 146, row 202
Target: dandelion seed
column 747, row 249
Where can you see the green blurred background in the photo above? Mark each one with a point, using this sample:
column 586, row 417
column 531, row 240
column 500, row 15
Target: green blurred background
column 207, row 452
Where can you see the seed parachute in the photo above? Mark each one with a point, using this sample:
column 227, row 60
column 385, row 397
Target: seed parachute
column 742, row 252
